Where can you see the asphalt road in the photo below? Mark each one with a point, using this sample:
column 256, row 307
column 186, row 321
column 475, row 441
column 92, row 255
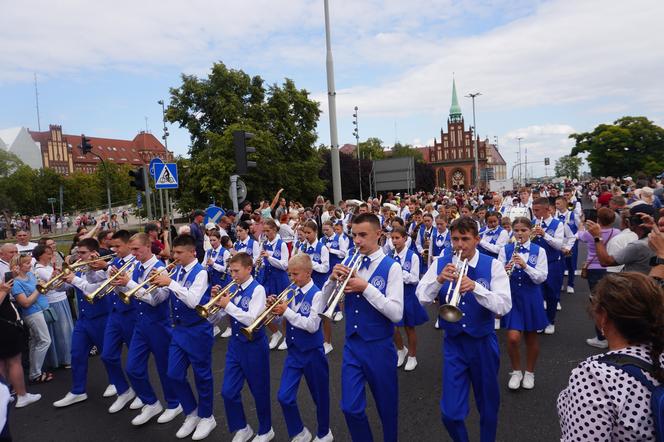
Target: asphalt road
column 524, row 415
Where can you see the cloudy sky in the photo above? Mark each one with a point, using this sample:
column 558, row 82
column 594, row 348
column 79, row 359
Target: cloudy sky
column 545, row 69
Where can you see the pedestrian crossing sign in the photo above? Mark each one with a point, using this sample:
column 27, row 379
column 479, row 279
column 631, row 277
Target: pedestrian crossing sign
column 166, row 176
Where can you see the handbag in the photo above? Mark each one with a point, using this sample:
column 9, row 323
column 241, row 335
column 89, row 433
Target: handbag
column 49, row 315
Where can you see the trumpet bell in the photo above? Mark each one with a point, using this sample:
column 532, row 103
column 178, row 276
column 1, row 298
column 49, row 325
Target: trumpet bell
column 450, row 313
column 248, row 332
column 203, row 311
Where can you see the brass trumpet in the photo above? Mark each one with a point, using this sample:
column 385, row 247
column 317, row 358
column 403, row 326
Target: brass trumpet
column 58, row 279
column 211, row 307
column 106, row 288
column 267, row 316
column 126, row 296
column 450, row 311
column 537, row 223
column 338, row 294
column 259, row 261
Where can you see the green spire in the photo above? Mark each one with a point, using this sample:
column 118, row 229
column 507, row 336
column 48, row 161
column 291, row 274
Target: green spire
column 455, row 109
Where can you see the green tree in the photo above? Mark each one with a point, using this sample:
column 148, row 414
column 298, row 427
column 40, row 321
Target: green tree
column 406, row 150
column 372, row 148
column 568, row 166
column 9, row 162
column 628, row 146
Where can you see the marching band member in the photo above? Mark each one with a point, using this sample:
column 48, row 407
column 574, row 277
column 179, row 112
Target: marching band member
column 191, row 341
column 320, row 259
column 374, row 302
column 152, row 334
column 494, row 237
column 300, row 241
column 526, row 265
column 216, row 259
column 245, row 359
column 337, row 248
column 550, row 234
column 572, row 221
column 90, row 326
column 245, row 243
column 423, row 239
column 413, row 312
column 306, row 356
column 440, row 239
column 506, row 224
column 470, row 350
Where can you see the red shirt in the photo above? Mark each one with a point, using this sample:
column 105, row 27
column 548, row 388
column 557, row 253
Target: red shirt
column 157, row 247
column 604, row 199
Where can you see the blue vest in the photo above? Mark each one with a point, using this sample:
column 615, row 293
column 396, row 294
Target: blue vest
column 248, row 249
column 318, row 277
column 437, row 246
column 477, row 320
column 334, row 245
column 116, row 304
column 519, row 280
column 216, row 277
column 571, row 223
column 146, row 313
column 101, row 307
column 552, row 254
column 274, row 280
column 406, row 266
column 181, row 314
column 302, row 339
column 243, row 303
column 361, row 317
column 493, row 240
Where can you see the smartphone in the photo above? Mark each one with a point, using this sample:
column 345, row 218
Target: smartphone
column 590, row 215
column 8, row 276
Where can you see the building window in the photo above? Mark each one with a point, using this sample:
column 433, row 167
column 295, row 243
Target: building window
column 445, row 143
column 445, row 154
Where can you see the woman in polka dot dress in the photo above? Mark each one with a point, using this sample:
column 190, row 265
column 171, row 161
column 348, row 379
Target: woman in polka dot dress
column 603, row 402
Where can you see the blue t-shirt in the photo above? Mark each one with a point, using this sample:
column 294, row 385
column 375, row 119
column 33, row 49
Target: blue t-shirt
column 26, row 287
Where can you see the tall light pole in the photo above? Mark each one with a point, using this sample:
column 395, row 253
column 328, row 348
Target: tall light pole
column 165, row 138
column 519, row 140
column 332, row 108
column 356, row 134
column 475, row 154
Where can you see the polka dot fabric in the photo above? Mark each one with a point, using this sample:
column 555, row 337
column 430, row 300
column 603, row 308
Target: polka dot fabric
column 604, row 403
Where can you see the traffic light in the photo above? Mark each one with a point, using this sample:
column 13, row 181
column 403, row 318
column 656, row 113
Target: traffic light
column 240, row 139
column 138, row 180
column 85, row 146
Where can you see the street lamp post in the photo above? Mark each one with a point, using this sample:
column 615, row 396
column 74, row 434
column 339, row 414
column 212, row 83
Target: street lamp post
column 356, row 133
column 519, row 140
column 475, row 153
column 332, row 107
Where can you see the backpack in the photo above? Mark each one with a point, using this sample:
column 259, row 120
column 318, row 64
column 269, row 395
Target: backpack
column 636, row 367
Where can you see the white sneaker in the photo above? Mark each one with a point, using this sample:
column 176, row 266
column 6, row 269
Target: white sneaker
column 570, row 290
column 283, row 346
column 559, row 307
column 327, row 438
column 550, row 329
column 215, row 331
column 515, row 380
column 436, row 323
column 147, row 413
column 122, row 400
column 411, row 363
column 244, row 434
column 204, row 428
column 338, row 316
column 227, row 333
column 327, row 347
column 110, row 391
column 169, row 414
column 136, row 404
column 496, row 324
column 304, row 436
column 189, row 425
column 26, row 399
column 274, row 340
column 267, row 437
column 528, row 380
column 401, row 356
column 69, row 399
column 597, row 343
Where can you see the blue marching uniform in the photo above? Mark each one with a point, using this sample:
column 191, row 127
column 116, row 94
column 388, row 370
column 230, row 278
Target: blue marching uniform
column 333, row 243
column 217, row 271
column 152, row 334
column 272, row 278
column 413, row 312
column 422, row 237
column 494, row 235
column 316, row 253
column 571, row 261
column 440, row 243
column 246, row 246
column 119, row 330
column 554, row 279
column 306, row 357
column 246, row 360
column 527, row 312
column 191, row 344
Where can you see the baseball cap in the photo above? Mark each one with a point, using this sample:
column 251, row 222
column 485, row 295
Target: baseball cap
column 210, row 226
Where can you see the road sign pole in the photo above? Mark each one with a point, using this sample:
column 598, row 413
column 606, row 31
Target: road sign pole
column 234, row 192
column 161, row 202
column 148, row 201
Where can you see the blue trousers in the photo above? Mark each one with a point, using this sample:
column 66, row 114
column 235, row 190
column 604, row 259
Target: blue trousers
column 87, row 333
column 570, row 264
column 469, row 360
column 192, row 345
column 551, row 289
column 248, row 361
column 119, row 329
column 375, row 363
column 312, row 364
column 155, row 338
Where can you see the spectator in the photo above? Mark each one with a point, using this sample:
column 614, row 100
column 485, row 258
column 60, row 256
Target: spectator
column 104, row 237
column 159, row 247
column 113, row 224
column 602, row 401
column 24, row 245
column 7, row 252
column 646, row 195
column 197, row 233
column 617, row 203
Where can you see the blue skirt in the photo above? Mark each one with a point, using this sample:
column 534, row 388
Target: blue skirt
column 413, row 312
column 527, row 312
column 274, row 280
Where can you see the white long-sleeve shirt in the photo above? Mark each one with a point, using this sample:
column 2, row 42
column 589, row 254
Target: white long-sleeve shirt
column 390, row 304
column 93, row 279
column 557, row 240
column 324, row 265
column 309, row 323
column 154, row 298
column 497, row 299
column 538, row 273
column 388, row 248
column 411, row 276
column 190, row 296
column 281, row 263
column 341, row 251
column 503, row 238
column 255, row 308
column 219, row 266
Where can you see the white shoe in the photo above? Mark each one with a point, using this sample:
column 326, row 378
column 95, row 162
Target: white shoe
column 169, row 414
column 327, row 438
column 26, row 399
column 189, row 425
column 515, row 380
column 215, row 331
column 283, row 346
column 436, row 323
column 559, row 307
column 528, row 380
column 597, row 343
column 550, row 329
column 122, row 400
column 496, row 324
column 147, row 413
column 204, row 428
column 136, row 404
column 110, row 391
column 570, row 290
column 304, row 436
column 227, row 333
column 338, row 316
column 243, row 435
column 401, row 356
column 69, row 399
column 267, row 437
column 274, row 340
column 327, row 347
column 411, row 363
